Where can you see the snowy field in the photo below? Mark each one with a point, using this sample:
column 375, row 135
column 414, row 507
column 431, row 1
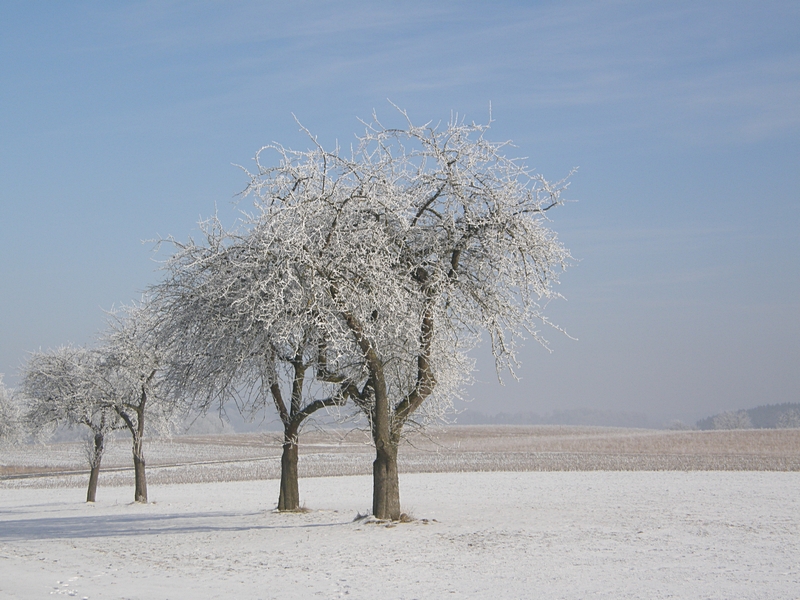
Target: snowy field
column 630, row 534
column 499, row 512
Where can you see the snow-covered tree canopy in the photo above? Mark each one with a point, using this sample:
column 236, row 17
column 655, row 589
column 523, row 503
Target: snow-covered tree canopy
column 132, row 356
column 115, row 385
column 238, row 322
column 408, row 249
column 74, row 385
column 65, row 386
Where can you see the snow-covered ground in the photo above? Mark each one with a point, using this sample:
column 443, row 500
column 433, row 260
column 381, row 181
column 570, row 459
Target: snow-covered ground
column 600, row 534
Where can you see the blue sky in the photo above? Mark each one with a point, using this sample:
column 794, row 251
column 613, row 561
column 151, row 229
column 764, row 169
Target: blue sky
column 122, row 121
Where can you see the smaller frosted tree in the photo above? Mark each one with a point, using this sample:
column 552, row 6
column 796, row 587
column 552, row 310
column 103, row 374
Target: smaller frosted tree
column 64, row 387
column 131, row 360
column 239, row 326
column 789, row 419
column 115, row 385
column 732, row 420
column 11, row 426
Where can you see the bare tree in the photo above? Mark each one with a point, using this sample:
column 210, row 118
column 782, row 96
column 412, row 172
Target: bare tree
column 11, row 424
column 789, row 419
column 131, row 360
column 112, row 386
column 240, row 326
column 732, row 420
column 409, row 248
column 62, row 387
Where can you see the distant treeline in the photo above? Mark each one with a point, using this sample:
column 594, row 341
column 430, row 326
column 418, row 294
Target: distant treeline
column 576, row 416
column 768, row 416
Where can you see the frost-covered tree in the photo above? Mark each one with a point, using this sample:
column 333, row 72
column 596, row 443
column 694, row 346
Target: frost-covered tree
column 407, row 249
column 789, row 419
column 131, row 360
column 732, row 420
column 11, row 425
column 239, row 326
column 116, row 385
column 65, row 387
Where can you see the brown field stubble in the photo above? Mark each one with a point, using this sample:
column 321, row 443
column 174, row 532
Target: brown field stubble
column 236, row 457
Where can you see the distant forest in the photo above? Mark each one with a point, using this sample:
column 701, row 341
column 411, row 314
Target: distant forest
column 575, row 416
column 768, row 416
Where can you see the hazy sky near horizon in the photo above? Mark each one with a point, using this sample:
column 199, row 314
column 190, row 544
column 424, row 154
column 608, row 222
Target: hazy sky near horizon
column 123, row 121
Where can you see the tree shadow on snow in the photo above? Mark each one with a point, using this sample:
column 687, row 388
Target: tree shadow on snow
column 94, row 526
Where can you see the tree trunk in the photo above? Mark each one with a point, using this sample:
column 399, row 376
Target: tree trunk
column 386, row 484
column 94, row 464
column 140, row 492
column 91, row 493
column 289, row 498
